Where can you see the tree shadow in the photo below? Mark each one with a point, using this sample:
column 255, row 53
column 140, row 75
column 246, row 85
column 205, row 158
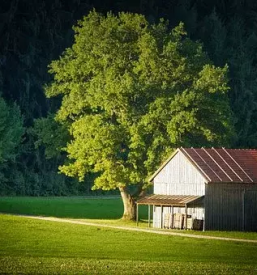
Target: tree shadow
column 96, row 207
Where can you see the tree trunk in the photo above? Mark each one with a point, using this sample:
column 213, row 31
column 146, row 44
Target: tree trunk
column 129, row 205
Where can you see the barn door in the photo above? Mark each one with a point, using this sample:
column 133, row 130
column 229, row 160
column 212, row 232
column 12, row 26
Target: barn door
column 250, row 210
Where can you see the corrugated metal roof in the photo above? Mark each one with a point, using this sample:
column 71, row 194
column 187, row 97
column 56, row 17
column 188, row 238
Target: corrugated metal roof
column 171, row 200
column 221, row 165
column 225, row 165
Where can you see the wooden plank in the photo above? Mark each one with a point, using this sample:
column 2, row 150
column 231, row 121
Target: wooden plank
column 149, row 215
column 137, row 214
column 179, row 177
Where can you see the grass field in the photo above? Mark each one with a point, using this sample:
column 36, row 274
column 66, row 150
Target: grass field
column 64, row 207
column 106, row 210
column 42, row 247
column 33, row 246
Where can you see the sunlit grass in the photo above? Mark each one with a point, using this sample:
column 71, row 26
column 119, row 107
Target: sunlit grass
column 36, row 246
column 101, row 210
column 143, row 223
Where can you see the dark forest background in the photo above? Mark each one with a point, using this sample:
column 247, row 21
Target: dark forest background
column 34, row 32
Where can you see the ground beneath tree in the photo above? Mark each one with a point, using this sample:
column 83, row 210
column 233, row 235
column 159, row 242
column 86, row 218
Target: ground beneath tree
column 150, row 230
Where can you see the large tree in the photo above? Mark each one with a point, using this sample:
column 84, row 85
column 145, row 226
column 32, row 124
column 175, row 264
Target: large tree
column 132, row 92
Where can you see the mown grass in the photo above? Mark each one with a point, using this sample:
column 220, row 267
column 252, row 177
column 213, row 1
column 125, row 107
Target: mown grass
column 107, row 210
column 64, row 207
column 43, row 247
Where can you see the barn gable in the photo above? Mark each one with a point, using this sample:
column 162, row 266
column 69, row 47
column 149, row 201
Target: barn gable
column 179, row 176
column 215, row 165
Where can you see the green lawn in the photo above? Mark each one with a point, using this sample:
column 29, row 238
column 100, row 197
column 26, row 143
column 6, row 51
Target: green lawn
column 36, row 246
column 106, row 210
column 64, row 207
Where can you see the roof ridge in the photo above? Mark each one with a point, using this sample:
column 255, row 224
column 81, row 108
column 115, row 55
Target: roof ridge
column 239, row 149
column 210, row 148
column 219, row 164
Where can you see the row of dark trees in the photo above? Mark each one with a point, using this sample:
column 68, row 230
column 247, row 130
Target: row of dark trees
column 34, row 32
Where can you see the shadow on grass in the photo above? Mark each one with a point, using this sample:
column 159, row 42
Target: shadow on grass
column 67, row 207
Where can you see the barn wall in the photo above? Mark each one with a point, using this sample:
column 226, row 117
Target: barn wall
column 231, row 207
column 159, row 214
column 179, row 177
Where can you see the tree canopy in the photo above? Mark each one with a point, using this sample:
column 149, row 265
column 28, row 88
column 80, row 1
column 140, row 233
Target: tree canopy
column 132, row 92
column 36, row 32
column 11, row 131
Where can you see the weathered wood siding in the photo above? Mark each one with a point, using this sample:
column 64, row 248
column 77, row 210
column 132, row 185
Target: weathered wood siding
column 158, row 212
column 227, row 206
column 158, row 216
column 231, row 207
column 179, row 177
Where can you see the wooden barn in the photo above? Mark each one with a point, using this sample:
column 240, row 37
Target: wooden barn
column 208, row 189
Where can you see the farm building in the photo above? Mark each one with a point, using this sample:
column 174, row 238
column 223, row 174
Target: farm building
column 209, row 189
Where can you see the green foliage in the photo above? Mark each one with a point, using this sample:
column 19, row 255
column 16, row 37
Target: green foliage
column 32, row 34
column 50, row 134
column 131, row 92
column 11, row 131
column 35, row 32
column 235, row 44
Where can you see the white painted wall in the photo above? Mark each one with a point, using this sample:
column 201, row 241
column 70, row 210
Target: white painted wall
column 179, row 177
column 196, row 213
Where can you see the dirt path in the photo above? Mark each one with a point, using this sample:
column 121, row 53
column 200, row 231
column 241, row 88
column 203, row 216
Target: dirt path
column 150, row 230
